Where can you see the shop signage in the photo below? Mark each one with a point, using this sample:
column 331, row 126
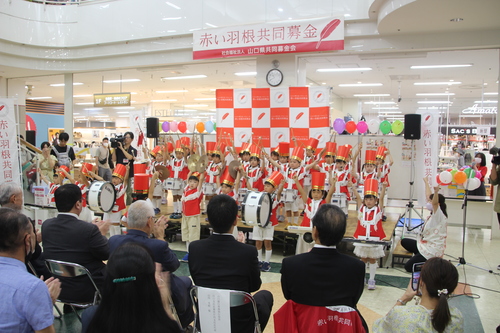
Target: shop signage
column 308, row 35
column 480, row 130
column 480, row 110
column 115, row 99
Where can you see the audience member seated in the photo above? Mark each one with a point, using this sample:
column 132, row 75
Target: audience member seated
column 67, row 238
column 26, row 304
column 141, row 224
column 438, row 279
column 11, row 196
column 323, row 276
column 135, row 298
column 222, row 262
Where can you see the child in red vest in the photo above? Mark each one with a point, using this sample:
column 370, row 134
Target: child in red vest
column 119, row 180
column 176, row 181
column 191, row 200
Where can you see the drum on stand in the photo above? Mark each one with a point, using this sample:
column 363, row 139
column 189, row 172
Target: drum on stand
column 101, row 197
column 340, row 199
column 242, row 192
column 256, row 209
column 208, row 188
column 289, row 195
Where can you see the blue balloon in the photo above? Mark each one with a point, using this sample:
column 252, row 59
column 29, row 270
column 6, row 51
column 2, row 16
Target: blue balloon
column 209, row 126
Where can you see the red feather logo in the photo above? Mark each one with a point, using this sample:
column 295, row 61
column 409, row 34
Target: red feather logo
column 319, row 95
column 298, row 116
column 261, row 116
column 242, row 97
column 225, row 116
column 279, row 137
column 320, row 136
column 327, row 30
column 243, row 136
column 280, row 95
column 1, row 107
column 426, row 118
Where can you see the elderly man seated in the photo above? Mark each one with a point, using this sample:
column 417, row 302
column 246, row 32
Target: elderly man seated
column 141, row 224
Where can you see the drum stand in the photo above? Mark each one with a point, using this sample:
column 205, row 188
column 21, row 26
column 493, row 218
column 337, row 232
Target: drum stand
column 409, row 206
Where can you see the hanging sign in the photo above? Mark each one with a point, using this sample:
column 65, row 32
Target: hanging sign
column 115, row 99
column 480, row 110
column 308, row 35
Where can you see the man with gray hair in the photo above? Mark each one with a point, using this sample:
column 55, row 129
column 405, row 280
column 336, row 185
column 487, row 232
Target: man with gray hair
column 141, row 224
column 11, row 196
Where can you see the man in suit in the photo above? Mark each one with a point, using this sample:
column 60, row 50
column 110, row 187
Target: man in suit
column 141, row 224
column 323, row 276
column 222, row 262
column 67, row 238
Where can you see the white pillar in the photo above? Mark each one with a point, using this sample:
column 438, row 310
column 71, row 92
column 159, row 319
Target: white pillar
column 68, row 105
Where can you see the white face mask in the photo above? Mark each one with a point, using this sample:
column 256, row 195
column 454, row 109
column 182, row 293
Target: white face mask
column 477, row 160
column 429, row 207
column 105, row 144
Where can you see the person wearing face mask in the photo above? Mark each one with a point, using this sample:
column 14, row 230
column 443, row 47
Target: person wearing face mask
column 26, row 300
column 102, row 160
column 431, row 241
column 479, row 165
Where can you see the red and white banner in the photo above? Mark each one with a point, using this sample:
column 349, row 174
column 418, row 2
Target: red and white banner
column 308, row 35
column 268, row 116
column 427, row 153
column 9, row 158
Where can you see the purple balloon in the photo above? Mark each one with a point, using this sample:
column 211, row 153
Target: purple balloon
column 165, row 126
column 339, row 125
column 362, row 127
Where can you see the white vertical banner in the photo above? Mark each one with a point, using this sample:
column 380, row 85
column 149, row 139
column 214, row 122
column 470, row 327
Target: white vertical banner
column 214, row 308
column 138, row 127
column 9, row 156
column 427, row 153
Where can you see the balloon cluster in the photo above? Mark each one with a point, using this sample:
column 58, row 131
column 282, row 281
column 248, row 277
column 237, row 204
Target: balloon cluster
column 460, row 176
column 189, row 126
column 374, row 126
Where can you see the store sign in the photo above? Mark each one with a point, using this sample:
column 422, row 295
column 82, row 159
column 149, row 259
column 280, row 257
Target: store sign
column 480, row 110
column 116, row 99
column 479, row 130
column 309, row 35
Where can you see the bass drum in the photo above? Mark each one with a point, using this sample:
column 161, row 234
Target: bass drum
column 101, row 197
column 256, row 208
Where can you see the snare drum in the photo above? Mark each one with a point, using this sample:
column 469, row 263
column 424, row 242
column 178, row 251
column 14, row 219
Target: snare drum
column 101, row 197
column 173, row 184
column 242, row 192
column 208, row 188
column 256, row 208
column 289, row 195
column 341, row 201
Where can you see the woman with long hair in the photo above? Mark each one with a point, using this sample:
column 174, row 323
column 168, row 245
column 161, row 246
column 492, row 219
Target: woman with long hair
column 479, row 165
column 135, row 296
column 438, row 279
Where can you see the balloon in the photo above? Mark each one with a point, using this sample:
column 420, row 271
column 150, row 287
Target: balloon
column 471, row 173
column 215, row 126
column 397, row 127
column 339, row 125
column 200, row 127
column 439, row 180
column 478, row 175
column 373, row 126
column 460, row 177
column 182, row 127
column 209, row 126
column 191, row 126
column 445, row 177
column 350, row 126
column 165, row 126
column 453, row 172
column 362, row 127
column 385, row 127
column 473, row 183
column 173, row 126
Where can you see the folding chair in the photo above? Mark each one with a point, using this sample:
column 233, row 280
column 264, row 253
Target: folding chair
column 237, row 298
column 33, row 270
column 72, row 270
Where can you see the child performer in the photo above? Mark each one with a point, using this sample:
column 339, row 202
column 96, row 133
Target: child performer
column 252, row 176
column 158, row 157
column 327, row 166
column 191, row 200
column 53, row 186
column 284, row 154
column 178, row 171
column 368, row 170
column 227, row 185
column 317, row 196
column 212, row 171
column 119, row 180
column 273, row 186
column 369, row 227
column 383, row 170
column 342, row 177
column 309, row 159
column 82, row 180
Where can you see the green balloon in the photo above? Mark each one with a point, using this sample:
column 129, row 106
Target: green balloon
column 385, row 127
column 471, row 173
column 215, row 126
column 397, row 127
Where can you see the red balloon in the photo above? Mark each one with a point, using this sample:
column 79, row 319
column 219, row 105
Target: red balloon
column 182, row 127
column 438, row 180
column 350, row 127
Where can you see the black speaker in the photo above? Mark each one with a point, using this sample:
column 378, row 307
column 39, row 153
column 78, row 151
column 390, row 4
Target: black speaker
column 31, row 137
column 152, row 128
column 412, row 126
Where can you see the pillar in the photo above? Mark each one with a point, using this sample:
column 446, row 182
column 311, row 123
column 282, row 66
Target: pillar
column 68, row 105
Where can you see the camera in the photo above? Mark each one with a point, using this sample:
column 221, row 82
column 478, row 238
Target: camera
column 496, row 157
column 114, row 141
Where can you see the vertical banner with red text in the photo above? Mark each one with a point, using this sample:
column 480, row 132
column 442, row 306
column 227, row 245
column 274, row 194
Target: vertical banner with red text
column 427, row 153
column 9, row 154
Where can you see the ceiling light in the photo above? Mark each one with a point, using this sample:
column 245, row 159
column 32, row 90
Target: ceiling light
column 122, row 116
column 172, row 5
column 163, row 100
column 488, row 102
column 490, row 93
column 371, row 95
column 360, row 85
column 245, row 73
column 91, row 103
column 379, row 103
column 184, row 77
column 76, row 96
column 449, row 83
column 440, row 66
column 205, row 99
column 104, row 116
column 434, row 102
column 280, row 9
column 121, row 81
column 432, row 108
column 386, row 108
column 42, row 98
column 390, row 112
column 354, row 69
column 62, row 84
column 435, row 94
column 122, row 112
column 195, row 105
column 213, row 89
column 124, row 108
column 171, row 18
column 75, row 113
column 170, row 91
column 211, row 25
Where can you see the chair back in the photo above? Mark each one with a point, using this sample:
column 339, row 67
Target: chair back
column 236, row 298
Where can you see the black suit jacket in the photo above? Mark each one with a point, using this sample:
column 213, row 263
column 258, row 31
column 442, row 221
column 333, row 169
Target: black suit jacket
column 67, row 238
column 323, row 277
column 222, row 262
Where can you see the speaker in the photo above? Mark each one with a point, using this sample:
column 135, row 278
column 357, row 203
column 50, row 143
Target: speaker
column 412, row 126
column 152, row 128
column 31, row 137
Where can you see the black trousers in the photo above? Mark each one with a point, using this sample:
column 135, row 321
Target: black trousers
column 411, row 246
